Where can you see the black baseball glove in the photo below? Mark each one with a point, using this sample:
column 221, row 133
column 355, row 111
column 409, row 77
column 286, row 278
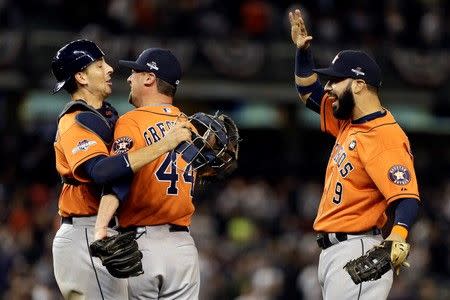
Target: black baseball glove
column 378, row 260
column 214, row 149
column 119, row 254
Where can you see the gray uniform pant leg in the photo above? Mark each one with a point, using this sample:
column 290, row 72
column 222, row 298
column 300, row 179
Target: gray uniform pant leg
column 77, row 275
column 170, row 263
column 336, row 283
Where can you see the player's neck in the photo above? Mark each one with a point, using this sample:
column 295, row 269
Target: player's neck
column 90, row 99
column 156, row 100
column 366, row 105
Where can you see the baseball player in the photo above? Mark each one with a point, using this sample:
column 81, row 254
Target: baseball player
column 85, row 131
column 158, row 204
column 370, row 167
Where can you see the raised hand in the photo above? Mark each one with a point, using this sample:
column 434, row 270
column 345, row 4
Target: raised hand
column 299, row 33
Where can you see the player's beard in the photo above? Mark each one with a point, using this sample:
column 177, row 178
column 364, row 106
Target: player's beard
column 346, row 104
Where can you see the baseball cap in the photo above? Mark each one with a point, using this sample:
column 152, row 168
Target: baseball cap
column 353, row 64
column 159, row 61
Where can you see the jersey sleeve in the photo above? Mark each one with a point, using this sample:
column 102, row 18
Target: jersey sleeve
column 328, row 123
column 393, row 173
column 127, row 136
column 80, row 145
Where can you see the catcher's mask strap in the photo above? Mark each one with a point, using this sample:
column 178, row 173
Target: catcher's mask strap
column 211, row 123
column 192, row 155
column 208, row 144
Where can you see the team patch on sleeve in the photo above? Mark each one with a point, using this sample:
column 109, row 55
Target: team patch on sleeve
column 399, row 174
column 83, row 146
column 122, row 145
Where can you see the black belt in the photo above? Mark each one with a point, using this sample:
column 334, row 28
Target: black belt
column 69, row 220
column 325, row 239
column 70, row 180
column 172, row 228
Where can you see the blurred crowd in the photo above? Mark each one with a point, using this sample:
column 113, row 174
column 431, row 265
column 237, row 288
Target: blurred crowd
column 409, row 38
column 415, row 23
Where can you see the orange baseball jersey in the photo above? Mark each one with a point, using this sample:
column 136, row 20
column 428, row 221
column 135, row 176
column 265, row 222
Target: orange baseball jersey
column 73, row 146
column 370, row 166
column 160, row 192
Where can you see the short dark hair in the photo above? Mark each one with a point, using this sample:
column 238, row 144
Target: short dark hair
column 165, row 88
column 372, row 88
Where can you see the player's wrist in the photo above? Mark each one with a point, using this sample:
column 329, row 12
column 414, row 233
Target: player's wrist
column 304, row 63
column 100, row 232
column 398, row 233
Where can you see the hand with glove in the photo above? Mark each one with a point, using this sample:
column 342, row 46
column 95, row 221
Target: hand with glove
column 390, row 254
column 119, row 254
column 214, row 148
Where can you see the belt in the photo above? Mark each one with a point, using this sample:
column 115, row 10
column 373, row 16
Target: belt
column 69, row 220
column 70, row 181
column 327, row 239
column 139, row 229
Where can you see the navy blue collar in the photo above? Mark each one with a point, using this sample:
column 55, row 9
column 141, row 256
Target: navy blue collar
column 370, row 117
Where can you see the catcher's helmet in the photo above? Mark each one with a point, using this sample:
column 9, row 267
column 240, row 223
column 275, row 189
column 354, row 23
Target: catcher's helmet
column 72, row 58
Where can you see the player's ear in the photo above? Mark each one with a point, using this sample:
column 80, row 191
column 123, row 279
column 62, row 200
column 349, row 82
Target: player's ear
column 358, row 86
column 80, row 77
column 150, row 78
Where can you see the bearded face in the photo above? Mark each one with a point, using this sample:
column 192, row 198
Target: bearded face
column 344, row 104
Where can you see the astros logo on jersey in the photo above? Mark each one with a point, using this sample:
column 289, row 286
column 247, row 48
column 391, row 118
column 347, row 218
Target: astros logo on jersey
column 122, row 145
column 399, row 174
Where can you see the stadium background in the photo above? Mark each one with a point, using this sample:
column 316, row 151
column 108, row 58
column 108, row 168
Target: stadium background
column 253, row 231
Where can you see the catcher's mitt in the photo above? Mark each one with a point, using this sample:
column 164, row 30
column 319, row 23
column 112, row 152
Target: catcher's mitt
column 214, row 148
column 119, row 254
column 378, row 260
